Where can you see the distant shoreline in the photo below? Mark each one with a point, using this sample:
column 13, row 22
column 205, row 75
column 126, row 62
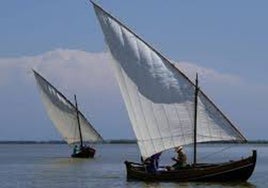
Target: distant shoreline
column 121, row 141
column 63, row 142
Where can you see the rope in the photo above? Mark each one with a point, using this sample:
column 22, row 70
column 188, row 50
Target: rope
column 216, row 152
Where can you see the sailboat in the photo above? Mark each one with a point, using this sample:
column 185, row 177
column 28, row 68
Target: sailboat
column 167, row 109
column 69, row 121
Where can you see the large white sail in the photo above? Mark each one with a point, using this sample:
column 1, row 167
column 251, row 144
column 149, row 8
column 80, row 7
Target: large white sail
column 159, row 98
column 63, row 114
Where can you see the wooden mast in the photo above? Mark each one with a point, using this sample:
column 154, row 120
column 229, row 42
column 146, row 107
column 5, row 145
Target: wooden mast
column 195, row 116
column 78, row 121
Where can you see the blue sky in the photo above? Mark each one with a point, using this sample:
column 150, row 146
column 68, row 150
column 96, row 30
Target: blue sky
column 225, row 40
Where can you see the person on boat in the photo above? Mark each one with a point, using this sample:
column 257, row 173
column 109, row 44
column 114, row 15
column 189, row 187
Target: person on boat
column 76, row 149
column 181, row 158
column 149, row 165
column 82, row 148
column 155, row 159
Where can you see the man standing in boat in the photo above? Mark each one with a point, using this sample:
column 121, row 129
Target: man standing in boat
column 76, row 149
column 152, row 163
column 155, row 159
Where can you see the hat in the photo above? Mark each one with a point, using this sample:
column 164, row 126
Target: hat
column 179, row 148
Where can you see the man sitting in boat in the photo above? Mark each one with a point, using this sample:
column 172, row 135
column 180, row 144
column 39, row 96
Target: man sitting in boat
column 180, row 160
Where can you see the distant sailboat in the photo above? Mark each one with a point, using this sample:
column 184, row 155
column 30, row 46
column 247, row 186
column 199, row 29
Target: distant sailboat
column 167, row 109
column 66, row 117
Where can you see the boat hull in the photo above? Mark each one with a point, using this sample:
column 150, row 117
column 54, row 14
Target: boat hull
column 86, row 152
column 230, row 171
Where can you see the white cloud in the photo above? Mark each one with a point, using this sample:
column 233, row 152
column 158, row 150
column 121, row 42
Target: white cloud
column 91, row 73
column 75, row 69
column 69, row 69
column 207, row 75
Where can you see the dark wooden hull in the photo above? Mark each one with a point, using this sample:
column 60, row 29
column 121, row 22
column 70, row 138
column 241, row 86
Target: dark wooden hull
column 230, row 171
column 86, row 152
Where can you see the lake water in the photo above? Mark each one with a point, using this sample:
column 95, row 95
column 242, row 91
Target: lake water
column 49, row 165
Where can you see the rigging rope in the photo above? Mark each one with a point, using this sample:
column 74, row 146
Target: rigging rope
column 217, row 152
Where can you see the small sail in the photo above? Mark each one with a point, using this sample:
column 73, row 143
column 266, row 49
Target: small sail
column 63, row 114
column 159, row 98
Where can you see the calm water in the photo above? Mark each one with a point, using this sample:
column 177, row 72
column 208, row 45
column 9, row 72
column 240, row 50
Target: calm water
column 48, row 165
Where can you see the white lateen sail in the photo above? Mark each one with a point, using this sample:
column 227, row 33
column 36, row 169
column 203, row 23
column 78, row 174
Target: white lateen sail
column 63, row 114
column 159, row 98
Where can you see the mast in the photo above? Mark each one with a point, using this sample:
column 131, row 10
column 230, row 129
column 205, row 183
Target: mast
column 195, row 115
column 78, row 121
